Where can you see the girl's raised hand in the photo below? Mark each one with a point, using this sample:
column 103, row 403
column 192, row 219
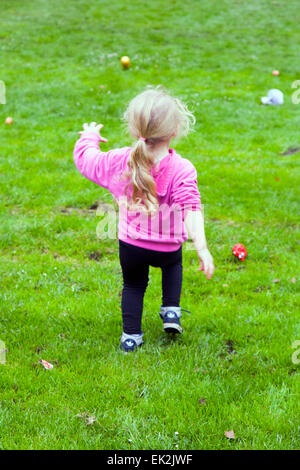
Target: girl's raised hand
column 93, row 127
column 206, row 262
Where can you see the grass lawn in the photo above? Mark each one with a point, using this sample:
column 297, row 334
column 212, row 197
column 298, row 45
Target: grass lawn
column 232, row 369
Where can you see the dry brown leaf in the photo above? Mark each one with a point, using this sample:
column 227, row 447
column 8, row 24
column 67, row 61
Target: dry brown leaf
column 229, row 434
column 88, row 419
column 291, row 151
column 202, row 401
column 230, row 347
column 96, row 255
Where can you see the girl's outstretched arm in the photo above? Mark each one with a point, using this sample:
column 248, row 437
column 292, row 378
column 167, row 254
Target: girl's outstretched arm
column 194, row 224
column 90, row 161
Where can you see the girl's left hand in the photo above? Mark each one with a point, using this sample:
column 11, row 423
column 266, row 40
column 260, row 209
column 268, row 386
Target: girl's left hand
column 93, row 127
column 206, row 262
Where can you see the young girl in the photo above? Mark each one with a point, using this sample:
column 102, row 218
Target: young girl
column 159, row 202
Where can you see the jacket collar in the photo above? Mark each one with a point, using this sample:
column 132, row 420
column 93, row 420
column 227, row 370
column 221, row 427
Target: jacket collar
column 162, row 173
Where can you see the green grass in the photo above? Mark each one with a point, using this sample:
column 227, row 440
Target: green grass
column 58, row 304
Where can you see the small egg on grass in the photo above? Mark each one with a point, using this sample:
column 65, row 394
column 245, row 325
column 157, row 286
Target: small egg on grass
column 125, row 61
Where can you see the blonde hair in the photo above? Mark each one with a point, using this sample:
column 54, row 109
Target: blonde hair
column 152, row 117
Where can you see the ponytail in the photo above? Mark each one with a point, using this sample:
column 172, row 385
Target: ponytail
column 142, row 182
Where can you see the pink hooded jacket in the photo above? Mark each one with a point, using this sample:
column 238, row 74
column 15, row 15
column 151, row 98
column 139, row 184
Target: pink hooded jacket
column 176, row 187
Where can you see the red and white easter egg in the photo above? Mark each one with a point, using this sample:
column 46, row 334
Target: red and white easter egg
column 239, row 251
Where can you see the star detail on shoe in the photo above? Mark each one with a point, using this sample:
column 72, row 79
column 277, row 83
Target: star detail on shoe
column 171, row 315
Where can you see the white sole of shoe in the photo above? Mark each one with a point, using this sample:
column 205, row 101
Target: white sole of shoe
column 172, row 328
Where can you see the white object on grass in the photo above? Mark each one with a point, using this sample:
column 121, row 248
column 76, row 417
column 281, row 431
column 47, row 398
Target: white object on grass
column 46, row 364
column 274, row 97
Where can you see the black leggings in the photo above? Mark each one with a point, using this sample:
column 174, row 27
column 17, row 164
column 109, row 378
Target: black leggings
column 135, row 262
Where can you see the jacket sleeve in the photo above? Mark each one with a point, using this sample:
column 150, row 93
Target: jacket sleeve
column 95, row 165
column 185, row 190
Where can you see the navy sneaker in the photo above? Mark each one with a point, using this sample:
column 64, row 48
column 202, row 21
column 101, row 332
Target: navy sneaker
column 130, row 343
column 171, row 319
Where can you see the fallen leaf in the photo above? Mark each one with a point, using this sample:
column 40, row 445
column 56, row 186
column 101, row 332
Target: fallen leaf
column 88, row 419
column 229, row 434
column 230, row 348
column 202, row 401
column 291, row 151
column 96, row 255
